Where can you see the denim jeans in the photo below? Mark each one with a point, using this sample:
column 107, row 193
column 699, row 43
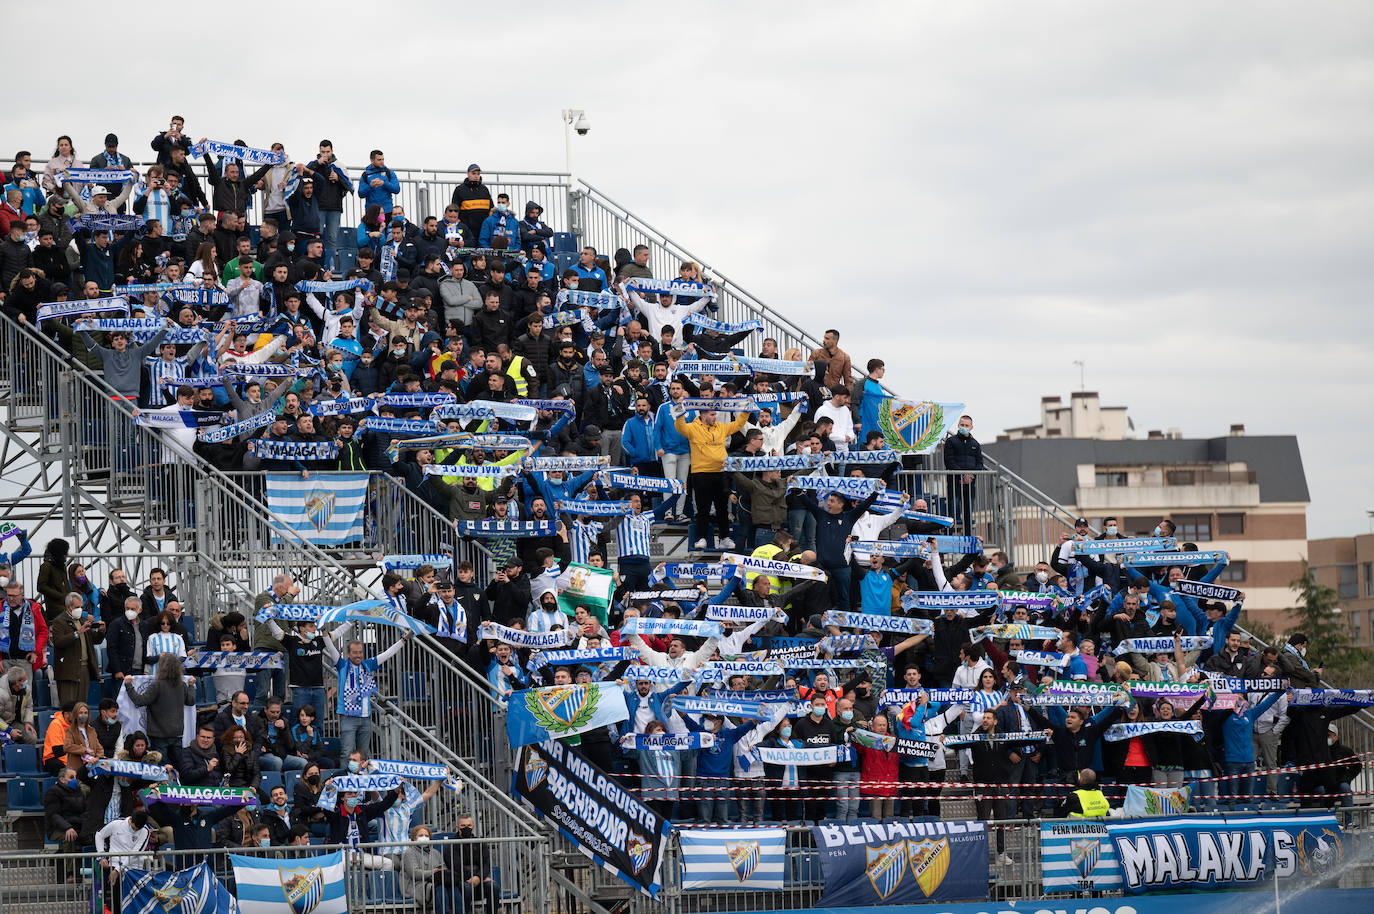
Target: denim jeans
column 1204, row 791
column 271, row 682
column 269, row 762
column 354, row 733
column 313, row 696
column 847, row 796
column 1239, row 789
column 330, row 224
column 839, row 586
column 170, row 749
column 802, row 525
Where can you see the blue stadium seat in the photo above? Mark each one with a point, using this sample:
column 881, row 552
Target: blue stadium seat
column 804, row 868
column 563, row 262
column 332, row 746
column 564, row 243
column 20, row 759
column 269, row 779
column 94, row 692
column 347, row 259
column 24, row 795
column 205, row 690
column 39, row 689
column 382, row 888
column 289, row 779
column 41, row 719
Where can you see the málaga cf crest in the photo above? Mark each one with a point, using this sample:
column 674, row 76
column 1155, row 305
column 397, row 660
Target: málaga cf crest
column 744, row 858
column 562, row 709
column 640, row 850
column 303, row 888
column 319, row 508
column 886, row 866
column 1085, row 853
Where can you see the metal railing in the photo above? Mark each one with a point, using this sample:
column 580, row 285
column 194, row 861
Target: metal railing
column 56, row 883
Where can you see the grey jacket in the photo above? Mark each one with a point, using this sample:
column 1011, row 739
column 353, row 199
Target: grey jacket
column 460, row 299
column 124, row 370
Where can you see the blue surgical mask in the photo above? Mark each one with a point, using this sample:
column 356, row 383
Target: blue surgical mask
column 352, row 766
column 1111, row 529
column 785, row 732
column 73, row 783
column 351, row 802
column 846, row 715
column 1156, row 531
column 964, row 431
column 264, row 842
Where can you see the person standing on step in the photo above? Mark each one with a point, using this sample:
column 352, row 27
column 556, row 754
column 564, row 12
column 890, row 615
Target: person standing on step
column 707, row 439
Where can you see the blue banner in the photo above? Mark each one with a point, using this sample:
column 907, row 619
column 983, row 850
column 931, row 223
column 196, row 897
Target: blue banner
column 733, row 858
column 1327, row 901
column 1161, row 559
column 902, row 863
column 1202, row 853
column 190, row 891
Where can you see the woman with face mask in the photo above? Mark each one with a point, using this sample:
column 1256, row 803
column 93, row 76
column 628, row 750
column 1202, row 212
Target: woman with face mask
column 422, row 870
column 815, row 731
column 785, row 791
column 81, row 747
column 349, row 818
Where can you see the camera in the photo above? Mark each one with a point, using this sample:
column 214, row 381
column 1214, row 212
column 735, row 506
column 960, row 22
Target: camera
column 582, row 125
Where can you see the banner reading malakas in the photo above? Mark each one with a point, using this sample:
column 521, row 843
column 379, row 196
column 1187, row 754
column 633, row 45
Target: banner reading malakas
column 608, row 824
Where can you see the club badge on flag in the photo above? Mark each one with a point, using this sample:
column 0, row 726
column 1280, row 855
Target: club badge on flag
column 555, row 712
column 194, row 890
column 902, row 863
column 1078, row 857
column 302, row 885
column 915, row 427
column 733, row 858
column 326, row 512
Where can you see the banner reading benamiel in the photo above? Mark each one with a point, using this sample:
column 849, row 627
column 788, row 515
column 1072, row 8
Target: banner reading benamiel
column 902, row 863
column 606, row 823
column 915, row 428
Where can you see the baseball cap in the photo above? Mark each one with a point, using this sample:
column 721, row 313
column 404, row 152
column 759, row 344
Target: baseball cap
column 100, row 189
column 474, row 167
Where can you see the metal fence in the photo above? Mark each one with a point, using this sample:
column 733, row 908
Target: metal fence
column 56, row 883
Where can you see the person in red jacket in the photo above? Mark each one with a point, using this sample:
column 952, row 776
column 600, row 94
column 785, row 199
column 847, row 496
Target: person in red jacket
column 878, row 778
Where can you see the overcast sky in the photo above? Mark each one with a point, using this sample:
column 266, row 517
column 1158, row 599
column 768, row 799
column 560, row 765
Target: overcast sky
column 1179, row 194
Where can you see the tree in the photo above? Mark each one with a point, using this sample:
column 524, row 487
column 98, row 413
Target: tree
column 1328, row 638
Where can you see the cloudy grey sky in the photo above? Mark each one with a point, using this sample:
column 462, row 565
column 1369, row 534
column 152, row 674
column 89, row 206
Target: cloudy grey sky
column 1180, row 194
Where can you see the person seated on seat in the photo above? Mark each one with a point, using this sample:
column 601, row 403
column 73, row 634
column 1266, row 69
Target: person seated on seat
column 64, row 810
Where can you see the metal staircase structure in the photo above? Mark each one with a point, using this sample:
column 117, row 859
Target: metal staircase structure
column 72, row 463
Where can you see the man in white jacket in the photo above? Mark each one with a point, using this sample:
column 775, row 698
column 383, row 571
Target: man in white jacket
column 836, row 409
column 775, row 435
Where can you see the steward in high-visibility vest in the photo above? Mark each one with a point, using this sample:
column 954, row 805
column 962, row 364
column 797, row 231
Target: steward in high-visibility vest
column 782, row 540
column 1086, row 802
column 516, row 372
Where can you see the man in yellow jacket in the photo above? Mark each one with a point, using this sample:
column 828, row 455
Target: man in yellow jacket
column 707, row 439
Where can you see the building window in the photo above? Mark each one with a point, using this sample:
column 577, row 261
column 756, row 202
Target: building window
column 1233, row 572
column 1369, row 579
column 1178, row 477
column 1230, row 525
column 1114, row 479
column 1138, row 526
column 1355, row 627
column 1346, row 588
column 1192, row 528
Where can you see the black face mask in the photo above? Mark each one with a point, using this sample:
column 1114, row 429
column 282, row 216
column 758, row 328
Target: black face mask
column 312, row 780
column 465, row 832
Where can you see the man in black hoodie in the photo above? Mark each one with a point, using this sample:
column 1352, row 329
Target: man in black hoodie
column 531, row 229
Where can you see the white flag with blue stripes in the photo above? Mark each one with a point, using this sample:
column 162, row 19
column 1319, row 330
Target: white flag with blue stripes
column 733, row 858
column 327, row 511
column 1078, row 855
column 305, row 885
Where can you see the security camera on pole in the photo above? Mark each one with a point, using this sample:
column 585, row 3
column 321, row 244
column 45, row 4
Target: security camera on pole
column 573, row 119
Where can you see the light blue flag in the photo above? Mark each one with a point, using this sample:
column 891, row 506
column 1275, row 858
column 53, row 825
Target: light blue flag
column 733, row 858
column 555, row 712
column 378, row 612
column 304, row 884
column 326, row 512
column 190, row 891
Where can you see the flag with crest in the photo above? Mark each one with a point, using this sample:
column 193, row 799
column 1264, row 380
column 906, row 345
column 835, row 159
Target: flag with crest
column 555, row 712
column 733, row 858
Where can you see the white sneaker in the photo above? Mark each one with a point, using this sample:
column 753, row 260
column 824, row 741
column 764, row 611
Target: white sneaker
column 726, row 543
column 699, row 544
column 1004, row 860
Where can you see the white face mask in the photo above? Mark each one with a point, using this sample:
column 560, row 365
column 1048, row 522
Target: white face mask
column 422, row 839
column 4, row 580
column 76, row 613
column 131, row 614
column 1111, row 529
column 1042, row 576
column 710, row 725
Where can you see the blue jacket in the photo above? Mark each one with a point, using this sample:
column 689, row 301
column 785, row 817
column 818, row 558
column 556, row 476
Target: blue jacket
column 14, row 558
column 1238, row 730
column 32, row 200
column 875, row 590
column 666, row 437
column 832, row 530
column 637, row 440
column 504, row 224
column 364, row 240
column 537, row 483
column 593, row 273
column 98, row 265
column 717, row 761
column 1191, row 618
column 381, row 196
column 868, row 408
column 590, row 376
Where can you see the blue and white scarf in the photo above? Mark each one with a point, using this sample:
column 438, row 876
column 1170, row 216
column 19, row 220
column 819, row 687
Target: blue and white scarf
column 634, row 481
column 1223, row 683
column 333, row 285
column 722, row 327
column 671, row 287
column 970, row 599
column 141, row 288
column 356, row 684
column 182, row 336
column 234, row 660
column 127, row 768
column 815, row 755
column 718, row 404
column 341, row 407
column 848, row 486
column 715, row 368
column 463, row 412
column 724, row 612
column 596, row 300
column 105, row 222
column 722, row 670
column 872, row 623
column 117, row 176
column 586, row 655
column 1123, row 546
column 511, row 528
column 1008, row 630
column 493, row 442
column 194, row 383
column 245, row 154
column 1163, row 645
column 199, row 296
column 552, row 406
column 415, row 771
column 767, row 696
column 61, row 309
column 269, row 449
column 657, row 674
column 675, row 596
column 785, row 397
column 1207, row 591
column 892, row 548
column 1021, row 736
column 1330, row 698
column 696, row 704
column 903, row 697
column 828, row 663
column 293, row 612
column 776, row 366
column 28, row 629
column 124, row 324
column 249, row 328
column 1117, row 732
column 674, row 742
column 563, row 464
column 568, row 318
column 472, row 470
column 787, row 462
column 1161, row 559
column 411, row 562
column 397, row 426
column 845, row 644
column 415, row 400
column 866, row 458
column 179, row 418
column 696, row 629
column 717, row 570
column 1043, row 658
column 265, row 370
column 521, row 638
column 591, row 507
